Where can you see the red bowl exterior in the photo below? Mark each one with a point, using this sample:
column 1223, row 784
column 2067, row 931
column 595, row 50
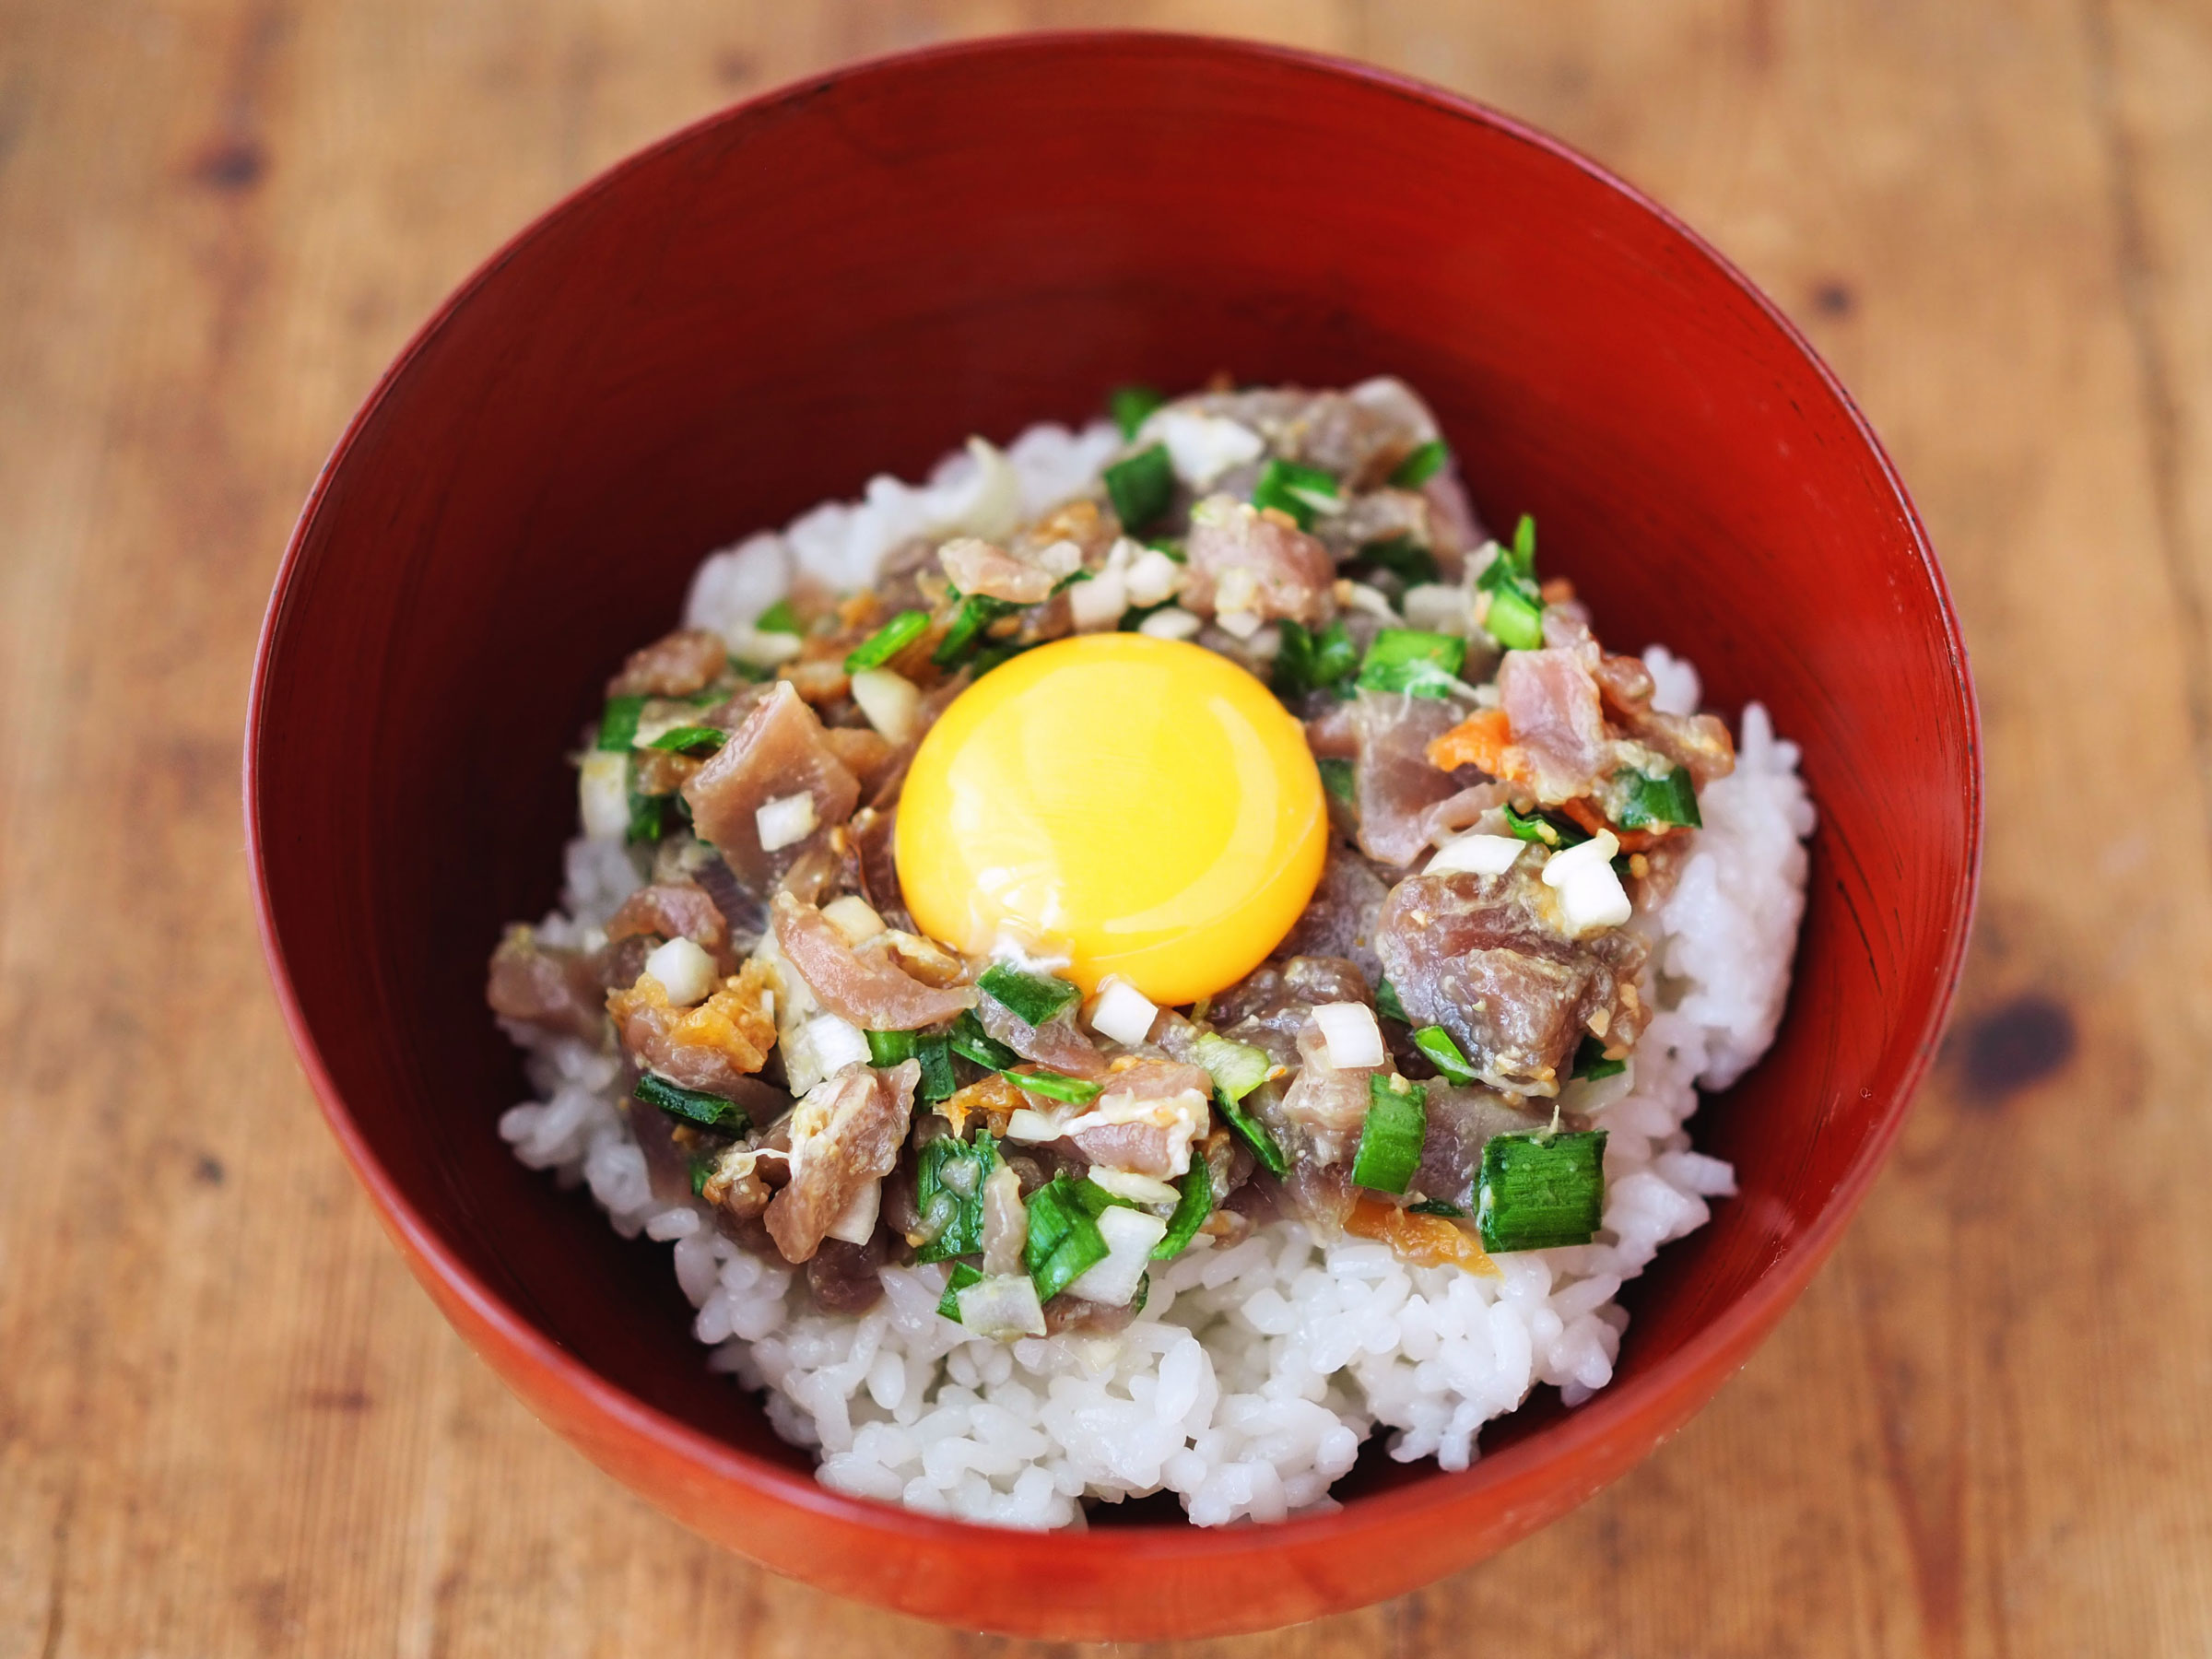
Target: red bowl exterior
column 854, row 274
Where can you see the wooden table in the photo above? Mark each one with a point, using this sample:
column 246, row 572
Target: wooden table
column 230, row 1424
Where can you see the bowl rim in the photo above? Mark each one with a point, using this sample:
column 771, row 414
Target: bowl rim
column 1666, row 1395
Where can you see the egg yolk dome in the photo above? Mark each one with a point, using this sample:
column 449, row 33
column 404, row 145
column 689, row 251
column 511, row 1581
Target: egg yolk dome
column 1144, row 804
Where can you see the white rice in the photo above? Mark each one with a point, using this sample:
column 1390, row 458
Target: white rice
column 1255, row 1371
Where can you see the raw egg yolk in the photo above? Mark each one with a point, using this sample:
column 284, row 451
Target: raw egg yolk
column 1144, row 804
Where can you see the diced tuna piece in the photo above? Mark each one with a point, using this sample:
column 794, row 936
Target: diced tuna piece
column 548, row 986
column 1394, row 784
column 865, row 983
column 712, row 1046
column 1244, row 563
column 674, row 665
column 1551, row 707
column 845, row 1136
column 1339, row 920
column 779, row 751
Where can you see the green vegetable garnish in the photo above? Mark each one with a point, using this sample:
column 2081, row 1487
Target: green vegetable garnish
column 939, row 1081
column 1063, row 1243
column 1590, row 1061
column 1056, row 1085
column 1541, row 1191
column 971, row 1041
column 1170, row 544
column 1524, row 544
column 977, row 612
column 1255, row 1132
column 1336, row 778
column 888, row 641
column 703, row 1171
column 1515, row 621
column 1390, row 1141
column 949, row 1191
column 1409, row 660
column 962, row 1276
column 691, row 740
column 1554, row 830
column 1304, row 492
column 1141, row 486
column 1237, row 1068
column 692, row 1106
column 1032, row 998
column 1387, row 1003
column 779, row 617
column 1191, row 1211
column 1311, row 661
column 652, row 816
column 1403, row 556
column 619, row 725
column 1667, row 799
column 1436, row 1207
column 1130, row 405
column 1444, row 1053
column 1420, row 466
column 1095, row 1199
column 888, row 1048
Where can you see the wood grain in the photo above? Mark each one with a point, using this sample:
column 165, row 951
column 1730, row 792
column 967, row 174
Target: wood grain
column 229, row 1424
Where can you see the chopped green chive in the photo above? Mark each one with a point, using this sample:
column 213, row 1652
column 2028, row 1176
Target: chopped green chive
column 1515, row 621
column 939, row 1081
column 692, row 1106
column 962, row 1276
column 1191, row 1211
column 1444, row 1053
column 888, row 1048
column 888, row 641
column 1237, row 1068
column 1255, row 1134
column 1403, row 556
column 949, row 1191
column 691, row 740
column 1032, row 998
column 779, row 617
column 1667, row 799
column 619, row 725
column 971, row 1041
column 1554, row 830
column 1390, row 1141
column 652, row 816
column 1524, row 544
column 1170, row 544
column 1065, row 1242
column 1141, row 486
column 1311, row 662
column 1419, row 466
column 1056, row 1085
column 1304, row 492
column 1538, row 1192
column 1387, row 1003
column 1336, row 778
column 703, row 1171
column 1589, row 1061
column 977, row 612
column 1095, row 1200
column 1436, row 1207
column 1130, row 405
column 1409, row 660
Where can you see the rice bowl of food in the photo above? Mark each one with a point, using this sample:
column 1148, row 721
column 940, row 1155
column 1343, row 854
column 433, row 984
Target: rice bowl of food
column 1179, row 984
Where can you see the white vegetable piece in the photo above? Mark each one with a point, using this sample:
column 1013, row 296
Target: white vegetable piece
column 859, row 1221
column 1358, row 595
column 1005, row 1307
column 603, row 794
column 685, row 970
column 1130, row 1236
column 1590, row 894
column 1241, row 623
column 1349, row 1030
column 1122, row 1012
column 783, row 821
column 1153, row 577
column 836, row 1043
column 1202, row 447
column 1030, row 1126
column 855, row 917
column 890, row 702
column 1477, row 854
column 1100, row 602
column 1438, row 608
column 1174, row 623
column 757, row 650
column 1129, row 1184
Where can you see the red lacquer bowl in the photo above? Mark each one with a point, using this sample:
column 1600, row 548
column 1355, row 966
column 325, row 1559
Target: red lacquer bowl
column 854, row 275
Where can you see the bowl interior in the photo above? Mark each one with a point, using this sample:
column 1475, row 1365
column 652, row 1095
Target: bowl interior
column 851, row 277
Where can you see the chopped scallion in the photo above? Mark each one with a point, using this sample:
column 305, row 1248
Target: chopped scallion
column 888, row 1048
column 619, row 725
column 1130, row 405
column 888, row 641
column 1336, row 778
column 977, row 612
column 1412, row 661
column 971, row 1041
column 693, row 740
column 702, row 1171
column 962, row 1276
column 1668, row 799
column 1403, row 556
column 948, row 1191
column 1541, row 1191
column 1524, row 544
column 1255, row 1134
column 1304, row 492
column 1063, row 1242
column 779, row 617
column 692, row 1106
column 1590, row 1061
column 1420, row 466
column 1170, row 544
column 1312, row 662
column 1515, row 621
column 1032, row 998
column 1390, row 1141
column 1387, row 1003
column 1056, row 1085
column 1554, row 830
column 1141, row 486
column 1237, row 1068
column 652, row 816
column 939, row 1081
column 1444, row 1053
column 1191, row 1211
column 1436, row 1207
column 1095, row 1200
